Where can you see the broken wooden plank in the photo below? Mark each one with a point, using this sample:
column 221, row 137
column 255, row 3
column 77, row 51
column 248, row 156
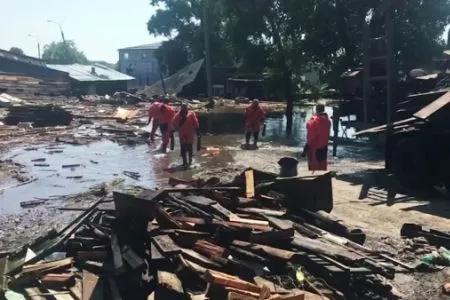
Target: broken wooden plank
column 165, row 220
column 235, row 294
column 248, row 221
column 223, row 212
column 270, row 237
column 198, row 258
column 166, row 245
column 199, row 201
column 77, row 290
column 58, row 279
column 210, row 249
column 92, row 255
column 266, row 250
column 261, row 211
column 274, row 288
column 169, row 286
column 196, row 268
column 48, row 266
column 119, row 267
column 132, row 259
column 91, row 286
column 249, row 184
column 70, row 166
column 280, row 223
column 32, row 203
column 227, row 280
column 155, row 254
column 199, row 221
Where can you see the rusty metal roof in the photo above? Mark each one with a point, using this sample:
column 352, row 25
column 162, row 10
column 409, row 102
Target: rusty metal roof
column 91, row 72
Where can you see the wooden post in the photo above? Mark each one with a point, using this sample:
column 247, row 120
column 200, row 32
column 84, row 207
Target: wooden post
column 208, row 67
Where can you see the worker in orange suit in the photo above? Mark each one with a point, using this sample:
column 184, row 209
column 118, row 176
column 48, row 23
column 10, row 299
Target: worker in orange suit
column 318, row 134
column 186, row 123
column 153, row 114
column 254, row 118
column 165, row 116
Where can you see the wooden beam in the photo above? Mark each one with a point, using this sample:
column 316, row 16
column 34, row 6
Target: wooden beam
column 169, row 286
column 266, row 250
column 227, row 280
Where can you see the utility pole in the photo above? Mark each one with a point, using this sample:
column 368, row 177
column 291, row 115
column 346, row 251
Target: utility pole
column 205, row 24
column 38, row 45
column 62, row 35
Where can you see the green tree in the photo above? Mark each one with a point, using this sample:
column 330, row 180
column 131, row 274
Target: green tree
column 16, row 50
column 63, row 53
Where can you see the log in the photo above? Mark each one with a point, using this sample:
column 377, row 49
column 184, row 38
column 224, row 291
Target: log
column 227, row 280
column 210, row 249
column 277, row 253
column 166, row 245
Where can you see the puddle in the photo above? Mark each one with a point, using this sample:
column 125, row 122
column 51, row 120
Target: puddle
column 105, row 161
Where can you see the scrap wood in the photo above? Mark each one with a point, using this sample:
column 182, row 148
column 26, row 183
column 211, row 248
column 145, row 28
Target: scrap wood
column 266, row 250
column 226, row 280
column 91, row 285
column 32, row 203
column 272, row 237
column 236, row 224
column 209, row 249
column 249, row 184
column 196, row 268
column 169, row 282
column 49, row 266
column 166, row 245
column 198, row 258
column 261, row 211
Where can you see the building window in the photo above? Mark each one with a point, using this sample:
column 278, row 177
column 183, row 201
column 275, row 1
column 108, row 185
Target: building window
column 126, row 56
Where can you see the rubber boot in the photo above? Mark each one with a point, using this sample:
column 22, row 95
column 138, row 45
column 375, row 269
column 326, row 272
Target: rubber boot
column 183, row 157
column 247, row 138
column 189, row 149
column 255, row 138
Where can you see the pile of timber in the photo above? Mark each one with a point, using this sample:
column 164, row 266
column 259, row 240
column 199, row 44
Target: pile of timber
column 28, row 87
column 39, row 115
column 199, row 240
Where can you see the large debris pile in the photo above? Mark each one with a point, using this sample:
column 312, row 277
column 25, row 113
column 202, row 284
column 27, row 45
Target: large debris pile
column 203, row 240
column 39, row 115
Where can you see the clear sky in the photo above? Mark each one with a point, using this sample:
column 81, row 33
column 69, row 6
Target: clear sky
column 98, row 27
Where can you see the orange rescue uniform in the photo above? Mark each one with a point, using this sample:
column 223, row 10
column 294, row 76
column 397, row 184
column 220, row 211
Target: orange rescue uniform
column 165, row 117
column 318, row 134
column 187, row 129
column 153, row 114
column 254, row 116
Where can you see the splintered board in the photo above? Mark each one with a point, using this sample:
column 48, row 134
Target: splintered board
column 249, row 184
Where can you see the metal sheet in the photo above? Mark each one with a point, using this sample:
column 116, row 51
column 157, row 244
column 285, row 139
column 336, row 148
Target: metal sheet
column 91, row 72
column 152, row 46
column 433, row 107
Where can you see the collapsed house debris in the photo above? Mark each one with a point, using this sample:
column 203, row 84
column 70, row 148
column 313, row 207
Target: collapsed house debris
column 204, row 240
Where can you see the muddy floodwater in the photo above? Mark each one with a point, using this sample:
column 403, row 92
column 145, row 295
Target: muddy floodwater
column 106, row 161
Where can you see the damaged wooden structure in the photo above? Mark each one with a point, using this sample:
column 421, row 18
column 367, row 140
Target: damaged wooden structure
column 204, row 240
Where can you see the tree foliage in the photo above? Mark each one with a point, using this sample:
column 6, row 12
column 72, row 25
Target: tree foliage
column 63, row 53
column 16, row 50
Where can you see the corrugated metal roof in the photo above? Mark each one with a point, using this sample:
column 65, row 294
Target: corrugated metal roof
column 176, row 82
column 152, row 46
column 21, row 58
column 85, row 72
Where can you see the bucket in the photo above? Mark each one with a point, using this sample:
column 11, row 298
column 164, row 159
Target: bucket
column 288, row 167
